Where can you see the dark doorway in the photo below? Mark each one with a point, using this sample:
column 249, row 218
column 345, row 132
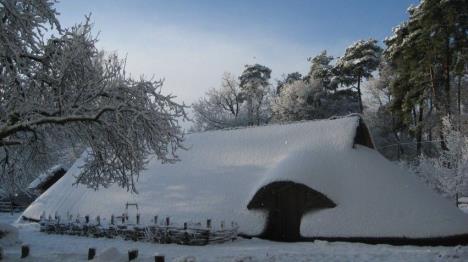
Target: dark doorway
column 286, row 202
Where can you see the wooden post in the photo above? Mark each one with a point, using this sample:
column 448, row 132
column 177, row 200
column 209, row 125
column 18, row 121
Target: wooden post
column 123, row 218
column 185, row 226
column 98, row 219
column 87, row 219
column 208, row 223
column 1, row 253
column 138, row 219
column 456, row 199
column 155, row 220
column 222, row 225
column 112, row 219
column 168, row 221
column 132, row 254
column 24, row 251
column 91, row 253
column 159, row 258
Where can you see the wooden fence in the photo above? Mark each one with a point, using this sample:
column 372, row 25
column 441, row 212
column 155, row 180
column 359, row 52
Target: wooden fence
column 462, row 201
column 188, row 234
column 7, row 206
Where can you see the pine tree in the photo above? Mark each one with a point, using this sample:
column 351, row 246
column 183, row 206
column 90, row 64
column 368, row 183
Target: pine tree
column 254, row 83
column 290, row 78
column 359, row 61
column 321, row 70
column 428, row 51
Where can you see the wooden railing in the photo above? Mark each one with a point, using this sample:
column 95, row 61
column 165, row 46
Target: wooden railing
column 187, row 234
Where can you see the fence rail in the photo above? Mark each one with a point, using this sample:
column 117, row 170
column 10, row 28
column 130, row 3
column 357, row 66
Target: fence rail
column 188, row 234
column 7, row 206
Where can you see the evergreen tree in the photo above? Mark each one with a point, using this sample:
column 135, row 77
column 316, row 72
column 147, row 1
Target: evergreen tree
column 358, row 62
column 290, row 78
column 428, row 51
column 321, row 70
column 254, row 83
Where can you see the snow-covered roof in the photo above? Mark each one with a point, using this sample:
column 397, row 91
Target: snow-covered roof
column 222, row 170
column 44, row 177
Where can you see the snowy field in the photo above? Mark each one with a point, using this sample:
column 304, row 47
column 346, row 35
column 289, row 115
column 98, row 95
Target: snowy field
column 70, row 248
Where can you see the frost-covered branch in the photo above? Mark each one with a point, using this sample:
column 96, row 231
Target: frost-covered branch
column 66, row 87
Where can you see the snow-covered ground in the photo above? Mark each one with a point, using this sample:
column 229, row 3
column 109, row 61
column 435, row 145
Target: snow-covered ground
column 71, row 248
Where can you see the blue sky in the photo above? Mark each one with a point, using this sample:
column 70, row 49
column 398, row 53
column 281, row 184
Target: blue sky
column 191, row 43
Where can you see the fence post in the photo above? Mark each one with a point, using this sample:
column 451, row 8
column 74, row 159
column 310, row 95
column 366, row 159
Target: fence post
column 87, row 219
column 138, row 219
column 159, row 258
column 132, row 254
column 24, row 251
column 168, row 221
column 91, row 253
column 156, row 220
column 398, row 151
column 456, row 199
column 112, row 219
column 208, row 223
column 1, row 253
column 185, row 226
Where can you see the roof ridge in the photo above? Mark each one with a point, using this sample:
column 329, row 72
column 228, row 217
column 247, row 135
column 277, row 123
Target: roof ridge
column 292, row 122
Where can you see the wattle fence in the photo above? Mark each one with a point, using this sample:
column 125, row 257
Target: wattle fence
column 167, row 232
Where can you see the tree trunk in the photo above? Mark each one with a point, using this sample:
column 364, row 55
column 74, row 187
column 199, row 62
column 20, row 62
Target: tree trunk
column 361, row 109
column 419, row 129
column 250, row 111
column 459, row 95
column 447, row 75
column 429, row 114
column 437, row 105
column 459, row 102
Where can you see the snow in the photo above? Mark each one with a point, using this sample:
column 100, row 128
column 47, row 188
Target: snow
column 8, row 234
column 110, row 254
column 222, row 170
column 53, row 248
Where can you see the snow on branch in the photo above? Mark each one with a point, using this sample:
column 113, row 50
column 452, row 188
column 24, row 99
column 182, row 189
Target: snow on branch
column 66, row 87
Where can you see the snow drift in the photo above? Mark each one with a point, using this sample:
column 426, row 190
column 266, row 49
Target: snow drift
column 222, row 170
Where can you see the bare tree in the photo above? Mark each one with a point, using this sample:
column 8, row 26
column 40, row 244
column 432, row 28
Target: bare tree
column 221, row 108
column 65, row 87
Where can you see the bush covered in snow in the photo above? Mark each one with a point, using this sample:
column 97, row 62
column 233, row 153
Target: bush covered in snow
column 301, row 100
column 8, row 235
column 448, row 172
